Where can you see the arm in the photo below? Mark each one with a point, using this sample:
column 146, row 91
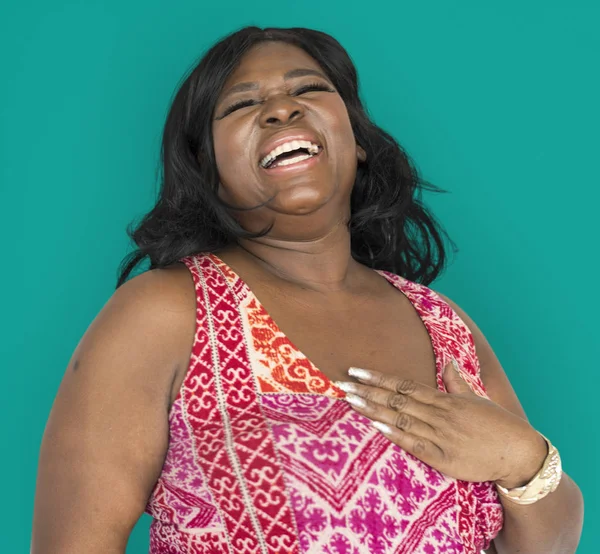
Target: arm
column 107, row 434
column 551, row 525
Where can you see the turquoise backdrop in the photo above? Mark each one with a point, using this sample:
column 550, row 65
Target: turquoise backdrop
column 499, row 105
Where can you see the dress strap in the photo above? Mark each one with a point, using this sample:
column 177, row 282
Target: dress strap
column 233, row 442
column 450, row 336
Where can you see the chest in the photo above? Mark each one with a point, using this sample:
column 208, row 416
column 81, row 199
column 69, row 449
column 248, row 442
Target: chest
column 386, row 334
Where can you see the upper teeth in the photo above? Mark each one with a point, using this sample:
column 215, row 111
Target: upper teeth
column 288, row 147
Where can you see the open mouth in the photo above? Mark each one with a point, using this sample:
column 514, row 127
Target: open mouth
column 289, row 153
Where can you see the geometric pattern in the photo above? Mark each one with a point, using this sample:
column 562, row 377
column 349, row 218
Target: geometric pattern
column 265, row 456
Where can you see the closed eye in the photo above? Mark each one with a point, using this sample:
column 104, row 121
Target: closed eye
column 237, row 106
column 302, row 90
column 313, row 86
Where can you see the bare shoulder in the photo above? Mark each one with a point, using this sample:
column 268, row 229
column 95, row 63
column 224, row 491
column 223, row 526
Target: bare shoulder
column 170, row 289
column 108, row 431
column 161, row 303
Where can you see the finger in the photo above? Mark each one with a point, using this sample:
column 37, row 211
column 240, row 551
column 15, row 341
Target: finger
column 420, row 447
column 377, row 400
column 454, row 380
column 407, row 387
column 391, row 417
column 408, row 424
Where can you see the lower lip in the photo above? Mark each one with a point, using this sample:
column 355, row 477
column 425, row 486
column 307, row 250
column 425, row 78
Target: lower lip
column 298, row 166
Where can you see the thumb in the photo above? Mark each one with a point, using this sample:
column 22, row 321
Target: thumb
column 453, row 379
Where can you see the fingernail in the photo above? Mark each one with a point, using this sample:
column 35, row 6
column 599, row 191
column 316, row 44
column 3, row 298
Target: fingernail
column 359, row 373
column 345, row 386
column 453, row 363
column 382, row 427
column 356, row 401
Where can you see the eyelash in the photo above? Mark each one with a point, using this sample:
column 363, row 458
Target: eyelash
column 305, row 88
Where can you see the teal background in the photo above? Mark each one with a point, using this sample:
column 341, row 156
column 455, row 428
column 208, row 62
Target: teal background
column 499, row 105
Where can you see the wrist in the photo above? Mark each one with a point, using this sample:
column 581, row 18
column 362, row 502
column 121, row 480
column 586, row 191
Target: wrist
column 528, row 464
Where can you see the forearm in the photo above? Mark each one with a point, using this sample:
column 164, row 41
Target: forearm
column 551, row 525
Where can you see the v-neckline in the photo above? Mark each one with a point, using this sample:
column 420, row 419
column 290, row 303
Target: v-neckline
column 243, row 292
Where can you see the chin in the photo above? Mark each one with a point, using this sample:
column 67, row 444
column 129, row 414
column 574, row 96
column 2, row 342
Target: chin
column 300, row 200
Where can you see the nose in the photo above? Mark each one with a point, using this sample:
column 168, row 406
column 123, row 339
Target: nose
column 280, row 110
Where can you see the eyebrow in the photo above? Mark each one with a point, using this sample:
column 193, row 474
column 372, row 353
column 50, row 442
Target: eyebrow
column 292, row 74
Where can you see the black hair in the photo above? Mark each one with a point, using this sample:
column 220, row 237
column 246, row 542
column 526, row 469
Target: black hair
column 390, row 226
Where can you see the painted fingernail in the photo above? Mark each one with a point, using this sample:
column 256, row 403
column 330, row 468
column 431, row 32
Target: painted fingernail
column 356, row 401
column 359, row 373
column 345, row 386
column 452, row 363
column 382, row 427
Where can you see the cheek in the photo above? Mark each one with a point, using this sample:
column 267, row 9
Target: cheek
column 338, row 121
column 223, row 148
column 232, row 159
column 231, row 152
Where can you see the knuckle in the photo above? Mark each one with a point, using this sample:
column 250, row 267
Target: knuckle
column 406, row 386
column 366, row 394
column 419, row 446
column 403, row 421
column 397, row 401
column 378, row 380
column 369, row 394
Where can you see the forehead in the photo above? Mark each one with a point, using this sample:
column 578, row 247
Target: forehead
column 270, row 58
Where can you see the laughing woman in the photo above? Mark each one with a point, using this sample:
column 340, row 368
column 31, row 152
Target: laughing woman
column 282, row 379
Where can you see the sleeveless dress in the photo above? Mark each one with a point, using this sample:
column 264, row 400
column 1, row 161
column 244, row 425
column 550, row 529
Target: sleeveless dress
column 266, row 457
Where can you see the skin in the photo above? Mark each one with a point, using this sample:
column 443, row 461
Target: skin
column 107, row 434
column 449, row 431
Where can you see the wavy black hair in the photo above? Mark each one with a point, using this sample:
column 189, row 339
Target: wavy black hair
column 390, row 226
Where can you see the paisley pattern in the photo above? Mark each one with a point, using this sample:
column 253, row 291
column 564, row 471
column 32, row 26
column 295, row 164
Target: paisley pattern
column 266, row 457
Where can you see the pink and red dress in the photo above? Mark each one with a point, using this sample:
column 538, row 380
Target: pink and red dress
column 265, row 456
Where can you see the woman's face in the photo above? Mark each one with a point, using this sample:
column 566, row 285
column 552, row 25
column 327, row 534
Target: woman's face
column 280, row 99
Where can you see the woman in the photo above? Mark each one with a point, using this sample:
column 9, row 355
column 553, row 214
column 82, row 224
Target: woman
column 282, row 379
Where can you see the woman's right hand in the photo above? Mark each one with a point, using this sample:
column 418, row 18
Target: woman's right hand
column 107, row 435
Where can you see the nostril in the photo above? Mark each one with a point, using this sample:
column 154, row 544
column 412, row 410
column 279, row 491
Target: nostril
column 281, row 117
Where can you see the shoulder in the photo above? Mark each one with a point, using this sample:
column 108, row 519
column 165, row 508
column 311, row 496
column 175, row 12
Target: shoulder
column 109, row 421
column 493, row 376
column 486, row 355
column 145, row 331
column 168, row 287
column 482, row 346
column 155, row 311
column 164, row 296
column 478, row 336
column 437, row 304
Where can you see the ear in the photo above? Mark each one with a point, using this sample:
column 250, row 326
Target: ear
column 360, row 153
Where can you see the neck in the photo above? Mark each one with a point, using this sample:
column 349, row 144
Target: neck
column 324, row 264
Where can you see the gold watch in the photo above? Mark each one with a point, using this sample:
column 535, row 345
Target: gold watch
column 544, row 482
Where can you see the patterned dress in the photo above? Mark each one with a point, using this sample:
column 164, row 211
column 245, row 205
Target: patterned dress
column 266, row 457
